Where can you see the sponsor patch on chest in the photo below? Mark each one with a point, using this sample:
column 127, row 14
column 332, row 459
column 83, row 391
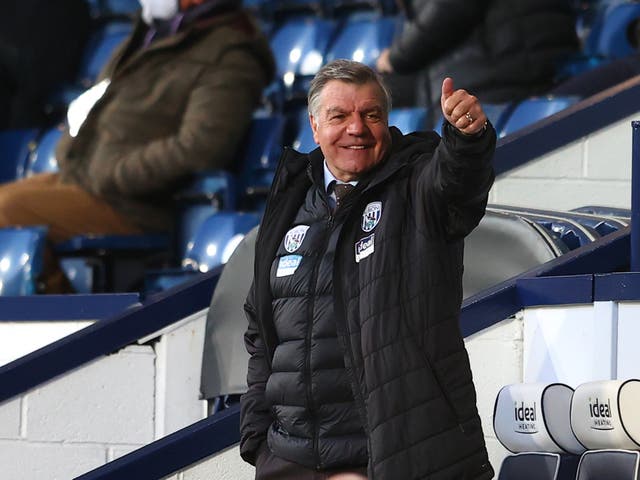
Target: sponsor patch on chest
column 294, row 238
column 371, row 216
column 288, row 265
column 364, row 247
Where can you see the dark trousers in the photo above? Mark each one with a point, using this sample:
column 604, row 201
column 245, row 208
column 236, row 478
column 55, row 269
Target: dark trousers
column 271, row 467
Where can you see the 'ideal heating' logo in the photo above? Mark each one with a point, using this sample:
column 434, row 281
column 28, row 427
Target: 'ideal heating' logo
column 601, row 415
column 525, row 416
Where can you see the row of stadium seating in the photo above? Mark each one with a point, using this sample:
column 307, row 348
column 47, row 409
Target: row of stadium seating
column 301, row 43
column 558, row 433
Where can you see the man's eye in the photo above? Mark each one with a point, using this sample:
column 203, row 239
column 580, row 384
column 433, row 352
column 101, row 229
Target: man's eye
column 336, row 117
column 373, row 117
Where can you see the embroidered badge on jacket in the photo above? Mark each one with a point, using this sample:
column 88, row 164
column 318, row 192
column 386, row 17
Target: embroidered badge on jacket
column 288, row 265
column 364, row 247
column 294, row 238
column 371, row 216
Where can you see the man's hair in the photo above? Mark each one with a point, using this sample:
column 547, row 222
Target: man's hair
column 346, row 71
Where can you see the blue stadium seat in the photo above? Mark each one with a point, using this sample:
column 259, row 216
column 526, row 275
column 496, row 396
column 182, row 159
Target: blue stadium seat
column 208, row 193
column 213, row 243
column 260, row 155
column 409, row 119
column 102, row 42
column 303, row 140
column 119, row 7
column 21, row 251
column 43, row 157
column 299, row 45
column 99, row 48
column 217, row 238
column 15, row 146
column 362, row 37
column 534, row 109
column 612, row 30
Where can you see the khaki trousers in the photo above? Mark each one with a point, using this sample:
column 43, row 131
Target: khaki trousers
column 66, row 209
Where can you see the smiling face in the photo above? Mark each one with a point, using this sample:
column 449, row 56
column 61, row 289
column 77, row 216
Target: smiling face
column 350, row 125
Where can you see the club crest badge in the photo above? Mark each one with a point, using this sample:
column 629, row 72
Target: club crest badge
column 294, row 238
column 371, row 216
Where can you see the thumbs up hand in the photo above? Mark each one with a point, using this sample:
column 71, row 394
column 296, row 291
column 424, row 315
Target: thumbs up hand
column 461, row 109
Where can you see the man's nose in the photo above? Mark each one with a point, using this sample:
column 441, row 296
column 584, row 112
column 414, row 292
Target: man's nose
column 356, row 125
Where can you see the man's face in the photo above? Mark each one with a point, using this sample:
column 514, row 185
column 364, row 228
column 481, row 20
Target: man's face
column 351, row 128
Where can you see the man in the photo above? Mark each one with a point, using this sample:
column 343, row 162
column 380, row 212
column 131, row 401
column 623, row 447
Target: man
column 357, row 366
column 175, row 99
column 499, row 50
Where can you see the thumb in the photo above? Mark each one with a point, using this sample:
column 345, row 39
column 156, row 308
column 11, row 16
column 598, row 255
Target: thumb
column 447, row 88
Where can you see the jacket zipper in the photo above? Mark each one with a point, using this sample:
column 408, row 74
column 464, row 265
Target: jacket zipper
column 307, row 367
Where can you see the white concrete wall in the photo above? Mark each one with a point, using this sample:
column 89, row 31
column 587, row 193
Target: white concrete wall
column 19, row 338
column 496, row 356
column 594, row 170
column 105, row 409
column 81, row 420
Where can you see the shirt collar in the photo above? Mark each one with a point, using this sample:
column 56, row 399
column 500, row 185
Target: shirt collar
column 328, row 178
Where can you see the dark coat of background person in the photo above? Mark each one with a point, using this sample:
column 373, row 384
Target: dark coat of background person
column 498, row 50
column 179, row 106
column 396, row 312
column 41, row 44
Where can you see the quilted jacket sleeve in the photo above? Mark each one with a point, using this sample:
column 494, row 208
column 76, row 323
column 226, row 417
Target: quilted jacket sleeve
column 255, row 415
column 455, row 183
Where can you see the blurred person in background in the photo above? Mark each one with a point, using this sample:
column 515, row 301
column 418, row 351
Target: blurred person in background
column 175, row 98
column 498, row 50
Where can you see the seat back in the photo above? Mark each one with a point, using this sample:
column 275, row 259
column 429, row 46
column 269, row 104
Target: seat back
column 216, row 239
column 99, row 49
column 534, row 417
column 303, row 140
column 362, row 37
column 224, row 360
column 409, row 120
column 261, row 153
column 43, row 157
column 15, row 146
column 613, row 30
column 299, row 45
column 503, row 246
column 609, row 465
column 534, row 109
column 604, row 414
column 21, row 252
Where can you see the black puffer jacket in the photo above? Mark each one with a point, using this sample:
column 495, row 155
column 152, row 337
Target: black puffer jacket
column 499, row 50
column 315, row 422
column 396, row 305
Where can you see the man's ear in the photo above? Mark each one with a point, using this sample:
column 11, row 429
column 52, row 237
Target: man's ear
column 314, row 128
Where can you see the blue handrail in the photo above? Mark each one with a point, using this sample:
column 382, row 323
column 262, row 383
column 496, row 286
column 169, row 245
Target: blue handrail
column 175, row 451
column 107, row 336
column 582, row 118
